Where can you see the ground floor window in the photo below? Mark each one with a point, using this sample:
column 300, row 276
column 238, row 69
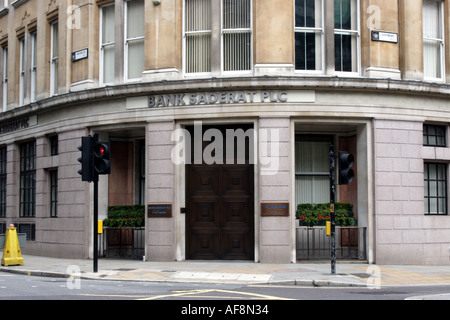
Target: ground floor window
column 312, row 169
column 3, row 182
column 28, row 179
column 435, row 188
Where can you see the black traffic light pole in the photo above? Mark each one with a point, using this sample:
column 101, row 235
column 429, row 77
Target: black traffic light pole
column 94, row 162
column 332, row 212
column 346, row 176
column 95, row 222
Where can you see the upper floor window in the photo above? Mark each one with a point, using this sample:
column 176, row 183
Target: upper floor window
column 197, row 34
column 346, row 35
column 54, row 49
column 5, row 78
column 107, row 44
column 308, row 35
column 134, row 39
column 235, row 25
column 33, row 66
column 433, row 39
column 236, row 35
column 21, row 71
column 434, row 135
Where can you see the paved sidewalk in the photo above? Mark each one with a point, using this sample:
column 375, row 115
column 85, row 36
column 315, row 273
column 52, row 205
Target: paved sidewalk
column 303, row 274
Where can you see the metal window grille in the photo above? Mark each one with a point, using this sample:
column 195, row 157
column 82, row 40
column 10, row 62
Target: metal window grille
column 3, row 182
column 29, row 229
column 435, row 188
column 434, row 135
column 28, row 179
column 53, row 193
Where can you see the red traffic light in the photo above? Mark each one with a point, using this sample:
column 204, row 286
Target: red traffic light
column 102, row 158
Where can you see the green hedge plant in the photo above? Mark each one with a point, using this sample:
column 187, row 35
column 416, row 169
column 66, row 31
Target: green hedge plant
column 125, row 216
column 312, row 215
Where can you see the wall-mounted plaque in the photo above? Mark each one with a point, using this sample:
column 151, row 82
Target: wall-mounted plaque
column 275, row 209
column 384, row 36
column 159, row 210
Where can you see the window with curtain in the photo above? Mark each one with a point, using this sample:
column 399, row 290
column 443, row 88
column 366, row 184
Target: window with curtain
column 346, row 35
column 433, row 39
column 308, row 34
column 134, row 39
column 312, row 170
column 236, row 35
column 435, row 188
column 197, row 32
column 107, row 44
column 54, row 58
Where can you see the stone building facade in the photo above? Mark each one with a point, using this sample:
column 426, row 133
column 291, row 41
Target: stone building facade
column 369, row 76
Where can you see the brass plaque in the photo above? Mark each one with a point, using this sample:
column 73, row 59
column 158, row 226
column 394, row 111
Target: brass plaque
column 275, row 209
column 159, row 210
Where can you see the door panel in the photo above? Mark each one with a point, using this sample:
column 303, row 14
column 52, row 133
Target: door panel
column 220, row 211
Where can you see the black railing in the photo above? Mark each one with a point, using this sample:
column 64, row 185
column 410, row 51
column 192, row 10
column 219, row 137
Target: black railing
column 312, row 243
column 128, row 243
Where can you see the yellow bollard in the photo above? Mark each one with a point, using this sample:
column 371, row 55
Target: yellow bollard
column 100, row 227
column 11, row 251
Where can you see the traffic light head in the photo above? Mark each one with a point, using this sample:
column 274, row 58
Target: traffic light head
column 86, row 159
column 346, row 161
column 102, row 158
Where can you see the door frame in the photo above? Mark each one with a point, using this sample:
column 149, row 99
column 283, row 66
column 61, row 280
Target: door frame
column 180, row 190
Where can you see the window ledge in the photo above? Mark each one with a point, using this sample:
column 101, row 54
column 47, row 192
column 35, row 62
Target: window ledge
column 18, row 3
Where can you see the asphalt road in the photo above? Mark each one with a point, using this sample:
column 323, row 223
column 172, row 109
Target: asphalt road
column 15, row 286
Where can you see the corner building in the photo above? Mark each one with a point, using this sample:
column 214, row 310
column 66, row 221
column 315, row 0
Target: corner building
column 294, row 76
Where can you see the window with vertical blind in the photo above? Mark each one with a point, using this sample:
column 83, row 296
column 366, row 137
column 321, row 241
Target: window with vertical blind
column 308, row 34
column 346, row 35
column 312, row 169
column 236, row 35
column 433, row 39
column 197, row 33
column 54, row 51
column 107, row 43
column 134, row 39
column 235, row 25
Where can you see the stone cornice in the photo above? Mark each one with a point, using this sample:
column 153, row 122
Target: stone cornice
column 387, row 86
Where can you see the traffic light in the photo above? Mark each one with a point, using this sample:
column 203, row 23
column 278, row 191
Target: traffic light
column 102, row 158
column 86, row 159
column 346, row 161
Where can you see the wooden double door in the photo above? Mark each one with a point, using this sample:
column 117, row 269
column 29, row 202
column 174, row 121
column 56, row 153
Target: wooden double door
column 220, row 210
